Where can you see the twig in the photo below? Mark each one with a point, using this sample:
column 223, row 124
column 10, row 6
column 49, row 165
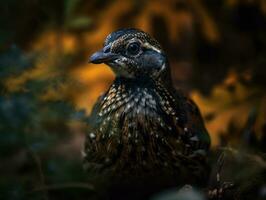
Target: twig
column 40, row 171
column 220, row 166
column 252, row 157
column 64, row 186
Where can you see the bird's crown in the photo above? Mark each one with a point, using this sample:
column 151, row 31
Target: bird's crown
column 124, row 35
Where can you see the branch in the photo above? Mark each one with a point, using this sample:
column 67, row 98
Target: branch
column 64, row 186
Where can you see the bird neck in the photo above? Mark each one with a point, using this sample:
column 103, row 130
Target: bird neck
column 145, row 81
column 165, row 77
column 139, row 82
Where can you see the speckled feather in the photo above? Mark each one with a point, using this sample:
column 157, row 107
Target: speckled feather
column 143, row 124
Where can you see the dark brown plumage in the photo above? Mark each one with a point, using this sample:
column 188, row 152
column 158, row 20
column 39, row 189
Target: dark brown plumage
column 142, row 126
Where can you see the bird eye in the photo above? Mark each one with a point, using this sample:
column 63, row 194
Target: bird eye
column 133, row 48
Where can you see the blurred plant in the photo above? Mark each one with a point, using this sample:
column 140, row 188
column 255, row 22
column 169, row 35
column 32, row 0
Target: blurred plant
column 72, row 21
column 32, row 131
column 216, row 49
column 187, row 192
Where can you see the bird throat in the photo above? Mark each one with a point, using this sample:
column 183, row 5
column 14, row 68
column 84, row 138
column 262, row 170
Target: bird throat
column 133, row 98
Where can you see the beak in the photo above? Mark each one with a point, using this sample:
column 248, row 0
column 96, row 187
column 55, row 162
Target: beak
column 102, row 57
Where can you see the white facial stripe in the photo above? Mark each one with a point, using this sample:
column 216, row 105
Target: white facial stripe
column 146, row 44
column 160, row 71
column 149, row 46
column 163, row 67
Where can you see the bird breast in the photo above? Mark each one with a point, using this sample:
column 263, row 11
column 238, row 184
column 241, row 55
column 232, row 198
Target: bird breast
column 133, row 108
column 135, row 127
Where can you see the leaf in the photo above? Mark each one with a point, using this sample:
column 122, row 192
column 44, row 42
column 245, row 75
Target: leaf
column 70, row 6
column 79, row 22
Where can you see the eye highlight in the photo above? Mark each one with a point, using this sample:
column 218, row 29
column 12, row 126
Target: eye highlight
column 133, row 48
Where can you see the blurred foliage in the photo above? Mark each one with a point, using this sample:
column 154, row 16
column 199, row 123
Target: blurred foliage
column 217, row 54
column 35, row 135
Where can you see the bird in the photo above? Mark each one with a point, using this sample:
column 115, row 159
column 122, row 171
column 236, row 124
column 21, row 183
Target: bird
column 142, row 126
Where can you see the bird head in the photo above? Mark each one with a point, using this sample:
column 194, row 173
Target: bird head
column 132, row 53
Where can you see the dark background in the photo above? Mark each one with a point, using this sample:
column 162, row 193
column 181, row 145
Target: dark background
column 217, row 52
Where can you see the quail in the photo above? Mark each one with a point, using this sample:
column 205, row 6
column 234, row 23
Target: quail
column 143, row 126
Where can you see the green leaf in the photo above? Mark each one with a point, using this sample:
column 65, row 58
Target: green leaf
column 70, row 6
column 79, row 22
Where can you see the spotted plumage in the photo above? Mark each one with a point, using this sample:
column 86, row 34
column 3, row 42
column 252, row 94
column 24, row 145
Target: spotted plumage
column 142, row 125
